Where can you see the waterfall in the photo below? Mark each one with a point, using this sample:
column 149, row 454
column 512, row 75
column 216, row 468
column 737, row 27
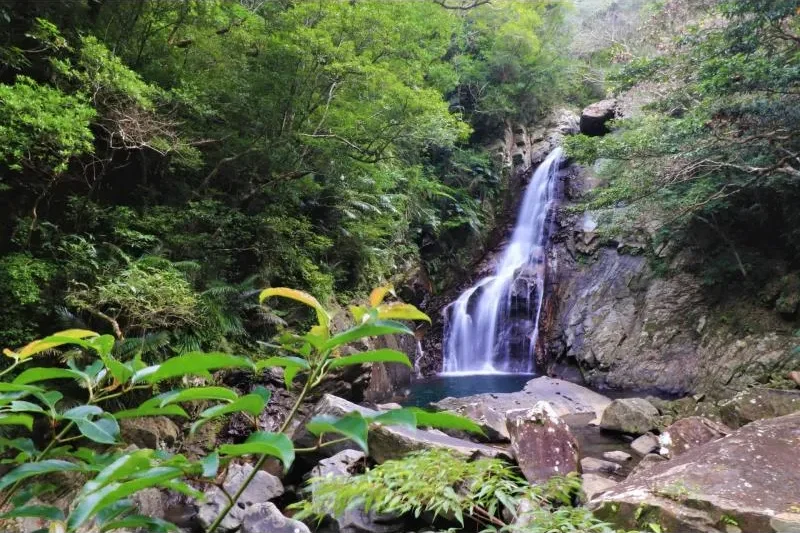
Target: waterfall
column 482, row 323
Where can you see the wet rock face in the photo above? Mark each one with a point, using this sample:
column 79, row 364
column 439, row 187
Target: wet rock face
column 749, row 477
column 630, row 415
column 542, row 443
column 757, row 404
column 594, row 118
column 690, row 433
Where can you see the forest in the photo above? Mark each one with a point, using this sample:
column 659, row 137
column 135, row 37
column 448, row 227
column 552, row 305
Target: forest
column 219, row 219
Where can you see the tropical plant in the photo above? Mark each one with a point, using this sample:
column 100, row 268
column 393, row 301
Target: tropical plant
column 82, row 434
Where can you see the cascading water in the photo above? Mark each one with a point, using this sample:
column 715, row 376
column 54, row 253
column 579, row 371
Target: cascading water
column 479, row 332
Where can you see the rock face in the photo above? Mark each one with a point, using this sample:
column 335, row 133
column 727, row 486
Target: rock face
column 157, row 432
column 608, row 313
column 263, row 488
column 630, row 415
column 749, row 477
column 564, row 397
column 542, row 443
column 757, row 404
column 389, row 442
column 647, row 443
column 594, row 118
column 592, row 465
column 690, row 433
column 595, row 484
column 264, row 517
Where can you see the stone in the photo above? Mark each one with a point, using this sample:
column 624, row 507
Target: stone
column 617, row 456
column 644, row 465
column 388, row 442
column 591, row 465
column 690, row 433
column 795, row 376
column 343, row 463
column 749, row 477
column 156, row 432
column 264, row 517
column 647, row 443
column 491, row 420
column 263, row 488
column 630, row 415
column 542, row 443
column 594, row 118
column 757, row 404
column 594, row 484
column 564, row 397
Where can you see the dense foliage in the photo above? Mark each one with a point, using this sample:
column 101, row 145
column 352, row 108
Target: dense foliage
column 152, row 151
column 713, row 154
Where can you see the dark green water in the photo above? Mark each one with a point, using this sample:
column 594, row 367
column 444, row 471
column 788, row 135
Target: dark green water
column 435, row 388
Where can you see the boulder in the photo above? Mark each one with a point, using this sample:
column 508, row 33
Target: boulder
column 757, row 404
column 591, row 465
column 564, row 397
column 156, row 432
column 595, row 484
column 617, row 456
column 690, row 433
column 749, row 478
column 343, row 463
column 542, row 443
column 491, row 420
column 647, row 443
column 388, row 442
column 594, row 118
column 630, row 415
column 264, row 517
column 263, row 488
column 644, row 465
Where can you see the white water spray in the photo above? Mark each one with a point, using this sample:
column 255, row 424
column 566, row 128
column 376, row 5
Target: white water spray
column 477, row 335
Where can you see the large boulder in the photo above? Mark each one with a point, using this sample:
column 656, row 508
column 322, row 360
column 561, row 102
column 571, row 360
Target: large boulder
column 389, row 442
column 594, row 484
column 542, row 443
column 592, row 465
column 690, row 433
column 757, row 404
column 594, row 118
column 749, row 478
column 264, row 517
column 564, row 397
column 156, row 432
column 262, row 488
column 630, row 415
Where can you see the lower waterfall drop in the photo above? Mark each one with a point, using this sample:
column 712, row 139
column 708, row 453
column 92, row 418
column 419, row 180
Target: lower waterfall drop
column 479, row 327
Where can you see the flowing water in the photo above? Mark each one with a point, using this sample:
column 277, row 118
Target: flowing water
column 480, row 334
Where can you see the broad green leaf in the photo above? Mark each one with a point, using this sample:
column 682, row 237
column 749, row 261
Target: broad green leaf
column 299, row 296
column 384, row 355
column 21, row 406
column 82, row 411
column 103, row 345
column 250, row 403
column 196, row 364
column 22, row 444
column 17, row 420
column 33, row 375
column 370, row 329
column 34, row 469
column 151, row 410
column 358, row 312
column 104, row 430
column 35, row 511
column 395, row 417
column 378, row 294
column 140, row 522
column 401, row 311
column 445, row 420
column 199, row 393
column 210, row 464
column 123, row 467
column 353, row 426
column 48, row 343
column 282, row 362
column 18, row 387
column 263, row 443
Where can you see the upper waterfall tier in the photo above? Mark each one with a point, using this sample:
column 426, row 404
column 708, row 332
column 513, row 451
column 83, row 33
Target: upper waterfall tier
column 480, row 332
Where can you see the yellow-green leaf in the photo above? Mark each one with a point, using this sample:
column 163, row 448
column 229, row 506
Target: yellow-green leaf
column 378, row 294
column 299, row 296
column 401, row 311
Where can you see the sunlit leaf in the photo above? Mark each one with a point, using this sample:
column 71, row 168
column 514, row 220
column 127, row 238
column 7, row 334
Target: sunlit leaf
column 395, row 417
column 401, row 311
column 196, row 364
column 299, row 296
column 33, row 375
column 384, row 355
column 444, row 420
column 263, row 443
column 198, row 393
column 17, row 420
column 378, row 294
column 34, row 469
column 353, row 426
column 370, row 329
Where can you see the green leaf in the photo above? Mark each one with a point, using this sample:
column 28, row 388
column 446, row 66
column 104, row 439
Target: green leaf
column 196, row 364
column 81, row 412
column 384, row 355
column 22, row 444
column 21, row 406
column 299, row 296
column 136, row 522
column 103, row 345
column 370, row 329
column 17, row 420
column 353, row 426
column 33, row 375
column 70, row 336
column 395, row 417
column 34, row 469
column 210, row 464
column 284, row 362
column 400, row 311
column 47, row 512
column 18, row 387
column 263, row 443
column 445, row 420
column 199, row 393
column 104, row 430
column 250, row 403
column 151, row 410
